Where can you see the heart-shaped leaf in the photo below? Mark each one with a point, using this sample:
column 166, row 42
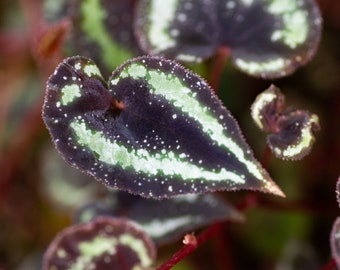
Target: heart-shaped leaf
column 266, row 109
column 156, row 130
column 101, row 244
column 292, row 131
column 268, row 38
column 163, row 220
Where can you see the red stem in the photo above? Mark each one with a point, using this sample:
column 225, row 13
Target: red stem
column 250, row 201
column 330, row 265
column 187, row 249
column 266, row 157
column 217, row 68
column 222, row 252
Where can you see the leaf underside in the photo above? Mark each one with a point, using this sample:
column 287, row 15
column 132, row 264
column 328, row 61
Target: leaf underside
column 165, row 220
column 156, row 129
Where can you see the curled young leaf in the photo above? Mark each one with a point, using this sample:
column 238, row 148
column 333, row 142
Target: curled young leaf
column 292, row 131
column 266, row 108
column 296, row 136
column 103, row 243
column 157, row 129
column 164, row 220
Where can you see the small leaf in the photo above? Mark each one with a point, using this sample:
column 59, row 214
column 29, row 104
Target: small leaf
column 165, row 220
column 185, row 30
column 266, row 109
column 158, row 130
column 103, row 243
column 292, row 131
column 270, row 38
column 335, row 241
column 296, row 136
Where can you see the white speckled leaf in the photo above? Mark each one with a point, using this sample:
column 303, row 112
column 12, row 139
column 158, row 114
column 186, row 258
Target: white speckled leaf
column 268, row 38
column 156, row 130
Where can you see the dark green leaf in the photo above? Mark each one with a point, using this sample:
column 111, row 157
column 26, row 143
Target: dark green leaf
column 165, row 220
column 158, row 130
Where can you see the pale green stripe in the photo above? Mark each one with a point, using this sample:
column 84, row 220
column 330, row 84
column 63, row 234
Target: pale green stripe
column 138, row 246
column 93, row 25
column 307, row 139
column 295, row 22
column 162, row 14
column 140, row 160
column 91, row 249
column 180, row 96
column 261, row 101
column 183, row 98
column 70, row 93
column 159, row 228
column 92, row 70
column 270, row 66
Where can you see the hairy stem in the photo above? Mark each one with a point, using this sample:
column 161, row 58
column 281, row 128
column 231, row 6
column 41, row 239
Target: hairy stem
column 187, row 249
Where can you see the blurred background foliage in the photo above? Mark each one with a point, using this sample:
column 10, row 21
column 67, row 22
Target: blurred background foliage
column 39, row 192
